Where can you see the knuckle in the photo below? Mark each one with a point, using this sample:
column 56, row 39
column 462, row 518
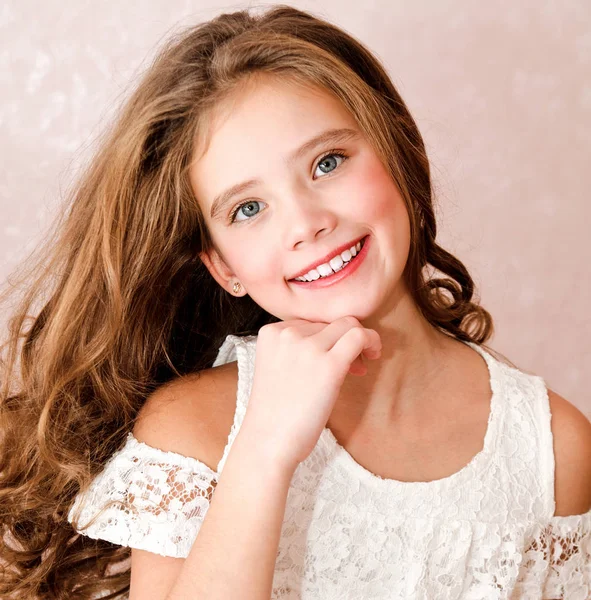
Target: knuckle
column 289, row 333
column 312, row 345
column 356, row 334
column 350, row 319
column 266, row 331
column 355, row 331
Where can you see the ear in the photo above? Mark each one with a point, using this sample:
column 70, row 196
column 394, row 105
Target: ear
column 219, row 270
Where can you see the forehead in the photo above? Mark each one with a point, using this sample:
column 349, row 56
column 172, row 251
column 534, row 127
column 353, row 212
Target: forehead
column 269, row 115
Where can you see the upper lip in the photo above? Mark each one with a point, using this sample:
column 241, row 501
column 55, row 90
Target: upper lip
column 328, row 257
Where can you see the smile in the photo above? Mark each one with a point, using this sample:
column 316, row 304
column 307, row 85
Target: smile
column 339, row 267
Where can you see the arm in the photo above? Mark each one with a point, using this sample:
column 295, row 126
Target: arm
column 234, row 553
column 571, row 431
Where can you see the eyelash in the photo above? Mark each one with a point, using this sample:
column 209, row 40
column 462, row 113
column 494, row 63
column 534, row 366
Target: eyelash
column 334, row 152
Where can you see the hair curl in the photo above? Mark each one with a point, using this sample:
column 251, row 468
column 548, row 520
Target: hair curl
column 124, row 302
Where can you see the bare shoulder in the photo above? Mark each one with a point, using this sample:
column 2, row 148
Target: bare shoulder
column 571, row 431
column 191, row 415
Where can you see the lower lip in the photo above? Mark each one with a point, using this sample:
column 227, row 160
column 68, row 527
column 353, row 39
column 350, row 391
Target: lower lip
column 347, row 270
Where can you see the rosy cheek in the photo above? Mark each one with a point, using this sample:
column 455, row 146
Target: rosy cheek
column 263, row 267
column 382, row 198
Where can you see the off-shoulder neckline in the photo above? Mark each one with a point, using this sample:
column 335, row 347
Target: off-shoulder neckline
column 132, row 444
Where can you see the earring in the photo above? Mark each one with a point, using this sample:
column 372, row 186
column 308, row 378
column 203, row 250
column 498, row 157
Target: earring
column 236, row 287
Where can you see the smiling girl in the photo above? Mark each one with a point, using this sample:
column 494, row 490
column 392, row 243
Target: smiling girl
column 250, row 382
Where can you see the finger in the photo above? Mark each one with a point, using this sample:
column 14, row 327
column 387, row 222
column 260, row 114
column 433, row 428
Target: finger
column 329, row 335
column 357, row 341
column 357, row 367
column 306, row 328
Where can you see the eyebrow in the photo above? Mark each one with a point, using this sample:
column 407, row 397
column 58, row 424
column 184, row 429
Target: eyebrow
column 330, row 135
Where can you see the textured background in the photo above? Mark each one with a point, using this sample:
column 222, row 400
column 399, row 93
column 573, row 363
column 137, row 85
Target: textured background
column 501, row 92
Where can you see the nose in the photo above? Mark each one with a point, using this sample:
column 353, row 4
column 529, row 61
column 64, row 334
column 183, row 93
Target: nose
column 306, row 218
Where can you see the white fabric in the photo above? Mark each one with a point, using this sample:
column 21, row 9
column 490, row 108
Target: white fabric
column 487, row 531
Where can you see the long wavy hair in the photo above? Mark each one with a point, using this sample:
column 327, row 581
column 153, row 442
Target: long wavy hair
column 119, row 302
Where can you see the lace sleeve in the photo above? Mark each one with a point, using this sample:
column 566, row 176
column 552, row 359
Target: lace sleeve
column 557, row 560
column 146, row 498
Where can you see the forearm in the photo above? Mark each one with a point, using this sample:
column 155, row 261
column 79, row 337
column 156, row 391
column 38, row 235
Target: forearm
column 235, row 550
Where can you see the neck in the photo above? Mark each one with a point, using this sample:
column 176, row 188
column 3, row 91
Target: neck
column 404, row 379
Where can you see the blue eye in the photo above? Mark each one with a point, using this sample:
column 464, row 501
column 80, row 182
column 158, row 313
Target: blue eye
column 326, row 162
column 330, row 159
column 240, row 207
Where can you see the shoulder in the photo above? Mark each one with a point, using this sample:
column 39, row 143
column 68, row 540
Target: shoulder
column 571, row 431
column 191, row 415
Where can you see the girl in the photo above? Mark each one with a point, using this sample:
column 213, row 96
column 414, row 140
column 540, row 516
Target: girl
column 247, row 380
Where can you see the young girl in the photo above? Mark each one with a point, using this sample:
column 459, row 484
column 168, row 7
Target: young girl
column 247, row 380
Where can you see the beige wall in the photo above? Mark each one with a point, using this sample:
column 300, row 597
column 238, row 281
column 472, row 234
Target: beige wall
column 501, row 91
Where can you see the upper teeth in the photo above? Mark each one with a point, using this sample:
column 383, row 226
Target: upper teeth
column 332, row 266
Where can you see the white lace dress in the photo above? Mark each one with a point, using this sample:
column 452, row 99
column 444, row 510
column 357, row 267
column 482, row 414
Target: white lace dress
column 487, row 531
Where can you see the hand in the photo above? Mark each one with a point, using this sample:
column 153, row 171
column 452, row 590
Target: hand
column 300, row 367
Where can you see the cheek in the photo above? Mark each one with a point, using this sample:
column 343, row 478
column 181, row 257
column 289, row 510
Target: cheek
column 381, row 198
column 258, row 263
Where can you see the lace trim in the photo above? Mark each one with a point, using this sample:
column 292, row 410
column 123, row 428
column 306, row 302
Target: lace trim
column 559, row 557
column 146, row 498
column 243, row 350
column 341, row 535
column 328, row 546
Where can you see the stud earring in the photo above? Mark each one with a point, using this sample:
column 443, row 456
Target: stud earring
column 236, row 287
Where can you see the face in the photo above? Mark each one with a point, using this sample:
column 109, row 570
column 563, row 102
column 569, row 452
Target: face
column 302, row 207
